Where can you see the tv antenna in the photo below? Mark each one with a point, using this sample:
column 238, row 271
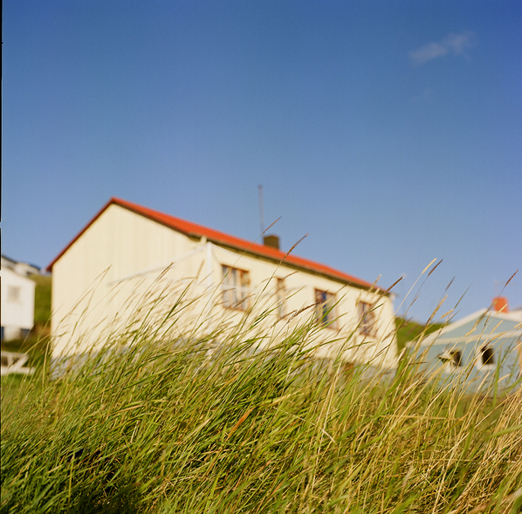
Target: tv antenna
column 261, row 214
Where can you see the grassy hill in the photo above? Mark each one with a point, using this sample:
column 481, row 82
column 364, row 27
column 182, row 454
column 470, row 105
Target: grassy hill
column 169, row 429
column 185, row 428
column 409, row 330
column 42, row 300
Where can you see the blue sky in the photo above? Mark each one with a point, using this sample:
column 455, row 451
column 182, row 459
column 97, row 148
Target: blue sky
column 389, row 132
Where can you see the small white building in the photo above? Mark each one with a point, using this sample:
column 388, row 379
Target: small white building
column 17, row 304
column 22, row 268
column 129, row 256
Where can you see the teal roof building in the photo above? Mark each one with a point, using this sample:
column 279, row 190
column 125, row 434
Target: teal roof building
column 481, row 353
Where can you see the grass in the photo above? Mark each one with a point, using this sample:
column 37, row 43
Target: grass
column 35, row 346
column 222, row 424
column 42, row 299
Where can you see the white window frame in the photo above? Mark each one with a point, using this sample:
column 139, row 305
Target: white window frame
column 235, row 287
column 449, row 361
column 456, row 363
column 480, row 357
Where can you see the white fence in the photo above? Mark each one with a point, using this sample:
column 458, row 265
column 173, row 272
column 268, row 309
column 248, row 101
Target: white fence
column 14, row 363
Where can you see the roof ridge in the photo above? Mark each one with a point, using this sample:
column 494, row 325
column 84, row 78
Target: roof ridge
column 195, row 229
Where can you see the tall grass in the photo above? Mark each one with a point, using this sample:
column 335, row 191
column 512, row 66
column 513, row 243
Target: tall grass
column 229, row 423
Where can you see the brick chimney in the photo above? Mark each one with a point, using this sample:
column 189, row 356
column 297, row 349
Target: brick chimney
column 500, row 304
column 272, row 241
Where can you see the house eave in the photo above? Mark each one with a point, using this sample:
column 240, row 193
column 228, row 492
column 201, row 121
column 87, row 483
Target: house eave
column 250, row 248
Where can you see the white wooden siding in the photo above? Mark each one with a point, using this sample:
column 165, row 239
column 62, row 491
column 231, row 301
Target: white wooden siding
column 17, row 307
column 119, row 256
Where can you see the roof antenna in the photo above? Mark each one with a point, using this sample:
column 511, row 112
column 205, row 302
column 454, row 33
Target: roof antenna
column 261, row 215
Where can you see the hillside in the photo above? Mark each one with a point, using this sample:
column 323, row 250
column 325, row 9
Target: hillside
column 408, row 330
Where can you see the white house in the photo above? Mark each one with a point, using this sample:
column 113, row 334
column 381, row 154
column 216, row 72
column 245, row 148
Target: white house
column 17, row 304
column 128, row 256
column 22, row 268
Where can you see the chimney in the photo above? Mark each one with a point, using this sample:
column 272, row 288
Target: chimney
column 272, row 241
column 500, row 304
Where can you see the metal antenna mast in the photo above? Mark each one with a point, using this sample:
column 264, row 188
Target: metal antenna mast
column 261, row 214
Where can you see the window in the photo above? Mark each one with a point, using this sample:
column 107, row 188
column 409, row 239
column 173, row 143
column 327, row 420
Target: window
column 367, row 317
column 486, row 357
column 13, row 294
column 280, row 296
column 236, row 286
column 324, row 308
column 451, row 358
column 456, row 358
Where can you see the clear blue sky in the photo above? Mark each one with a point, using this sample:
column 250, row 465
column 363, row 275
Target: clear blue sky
column 390, row 132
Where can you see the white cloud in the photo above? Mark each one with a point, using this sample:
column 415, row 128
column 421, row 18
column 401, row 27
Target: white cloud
column 455, row 44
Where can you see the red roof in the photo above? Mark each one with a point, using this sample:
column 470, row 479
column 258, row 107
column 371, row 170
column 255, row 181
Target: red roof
column 193, row 229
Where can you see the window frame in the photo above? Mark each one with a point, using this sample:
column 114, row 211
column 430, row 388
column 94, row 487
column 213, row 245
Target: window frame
column 235, row 281
column 456, row 359
column 367, row 318
column 325, row 308
column 452, row 359
column 280, row 293
column 481, row 363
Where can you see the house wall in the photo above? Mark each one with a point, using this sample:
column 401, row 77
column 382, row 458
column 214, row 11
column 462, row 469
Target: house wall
column 17, row 304
column 502, row 333
column 88, row 293
column 116, row 269
column 300, row 288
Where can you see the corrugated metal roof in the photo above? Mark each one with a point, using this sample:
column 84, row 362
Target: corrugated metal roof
column 193, row 229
